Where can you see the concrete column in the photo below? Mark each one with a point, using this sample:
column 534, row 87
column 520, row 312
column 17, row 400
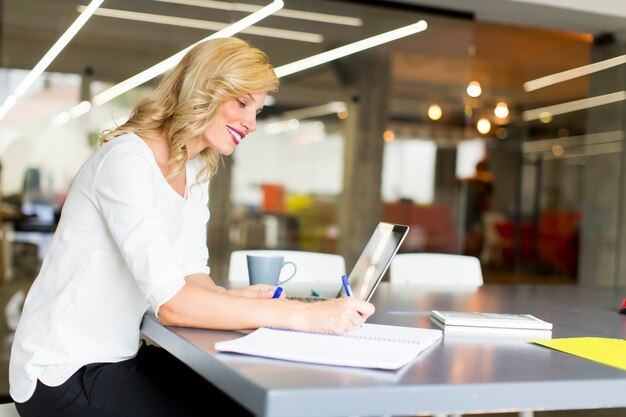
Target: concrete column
column 366, row 80
column 602, row 241
column 620, row 85
column 219, row 223
column 85, row 83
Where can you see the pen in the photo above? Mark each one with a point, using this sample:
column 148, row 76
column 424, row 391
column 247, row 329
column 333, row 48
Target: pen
column 346, row 285
column 278, row 292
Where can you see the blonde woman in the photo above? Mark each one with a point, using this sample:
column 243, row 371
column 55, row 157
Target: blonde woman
column 132, row 237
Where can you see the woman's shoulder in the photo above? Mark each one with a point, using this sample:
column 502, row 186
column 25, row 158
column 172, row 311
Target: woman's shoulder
column 128, row 146
column 128, row 142
column 124, row 152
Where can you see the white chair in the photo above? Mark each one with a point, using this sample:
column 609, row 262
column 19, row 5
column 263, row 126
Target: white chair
column 13, row 309
column 8, row 410
column 436, row 269
column 315, row 270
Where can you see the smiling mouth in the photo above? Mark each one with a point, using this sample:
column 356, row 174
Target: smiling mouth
column 235, row 135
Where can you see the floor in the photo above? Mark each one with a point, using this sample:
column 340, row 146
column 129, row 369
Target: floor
column 26, row 267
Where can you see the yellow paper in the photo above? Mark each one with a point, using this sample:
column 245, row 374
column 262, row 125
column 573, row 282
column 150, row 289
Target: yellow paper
column 610, row 352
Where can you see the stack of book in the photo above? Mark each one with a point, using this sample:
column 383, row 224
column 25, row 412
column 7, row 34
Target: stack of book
column 497, row 324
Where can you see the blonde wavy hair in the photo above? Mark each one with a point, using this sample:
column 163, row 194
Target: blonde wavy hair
column 187, row 98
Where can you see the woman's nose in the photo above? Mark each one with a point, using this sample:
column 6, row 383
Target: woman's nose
column 250, row 123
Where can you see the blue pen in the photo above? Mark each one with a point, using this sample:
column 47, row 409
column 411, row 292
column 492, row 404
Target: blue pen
column 346, row 285
column 278, row 292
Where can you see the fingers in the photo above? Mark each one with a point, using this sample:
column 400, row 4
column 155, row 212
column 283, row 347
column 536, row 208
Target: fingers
column 346, row 313
column 263, row 287
column 365, row 309
column 256, row 291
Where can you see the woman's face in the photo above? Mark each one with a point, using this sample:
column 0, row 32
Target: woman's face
column 235, row 119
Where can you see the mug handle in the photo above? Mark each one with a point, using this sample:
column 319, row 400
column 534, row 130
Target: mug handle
column 293, row 274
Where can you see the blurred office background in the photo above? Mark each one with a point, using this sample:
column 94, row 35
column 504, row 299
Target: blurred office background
column 527, row 173
column 496, row 132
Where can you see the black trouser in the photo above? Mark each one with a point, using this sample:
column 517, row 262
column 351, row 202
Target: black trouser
column 153, row 384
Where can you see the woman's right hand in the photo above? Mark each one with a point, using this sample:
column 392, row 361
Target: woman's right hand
column 336, row 316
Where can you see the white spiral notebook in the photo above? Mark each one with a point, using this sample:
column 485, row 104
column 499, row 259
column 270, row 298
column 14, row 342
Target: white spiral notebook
column 368, row 346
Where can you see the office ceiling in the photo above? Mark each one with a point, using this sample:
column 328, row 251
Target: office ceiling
column 432, row 66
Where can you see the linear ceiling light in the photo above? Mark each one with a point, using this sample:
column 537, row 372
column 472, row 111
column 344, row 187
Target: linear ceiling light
column 49, row 56
column 549, row 80
column 76, row 111
column 293, row 14
column 315, row 111
column 290, row 120
column 349, row 49
column 206, row 24
column 170, row 62
column 574, row 105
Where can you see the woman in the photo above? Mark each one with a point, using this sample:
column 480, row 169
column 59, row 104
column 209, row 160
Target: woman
column 132, row 236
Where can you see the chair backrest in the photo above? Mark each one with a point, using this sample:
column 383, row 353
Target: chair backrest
column 313, row 267
column 436, row 269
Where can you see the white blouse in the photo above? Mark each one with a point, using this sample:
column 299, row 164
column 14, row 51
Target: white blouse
column 124, row 243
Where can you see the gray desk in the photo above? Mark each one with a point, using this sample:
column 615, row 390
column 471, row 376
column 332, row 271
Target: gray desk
column 459, row 374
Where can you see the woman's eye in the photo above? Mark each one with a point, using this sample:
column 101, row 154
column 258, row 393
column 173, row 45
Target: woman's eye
column 241, row 104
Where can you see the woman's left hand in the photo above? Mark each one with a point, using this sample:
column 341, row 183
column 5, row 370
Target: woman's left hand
column 256, row 291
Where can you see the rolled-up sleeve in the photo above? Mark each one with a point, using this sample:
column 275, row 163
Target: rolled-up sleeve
column 125, row 193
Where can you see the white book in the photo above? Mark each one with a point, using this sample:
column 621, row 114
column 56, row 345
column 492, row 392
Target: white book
column 490, row 320
column 367, row 346
column 490, row 335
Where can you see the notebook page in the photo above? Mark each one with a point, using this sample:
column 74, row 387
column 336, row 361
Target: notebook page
column 370, row 345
